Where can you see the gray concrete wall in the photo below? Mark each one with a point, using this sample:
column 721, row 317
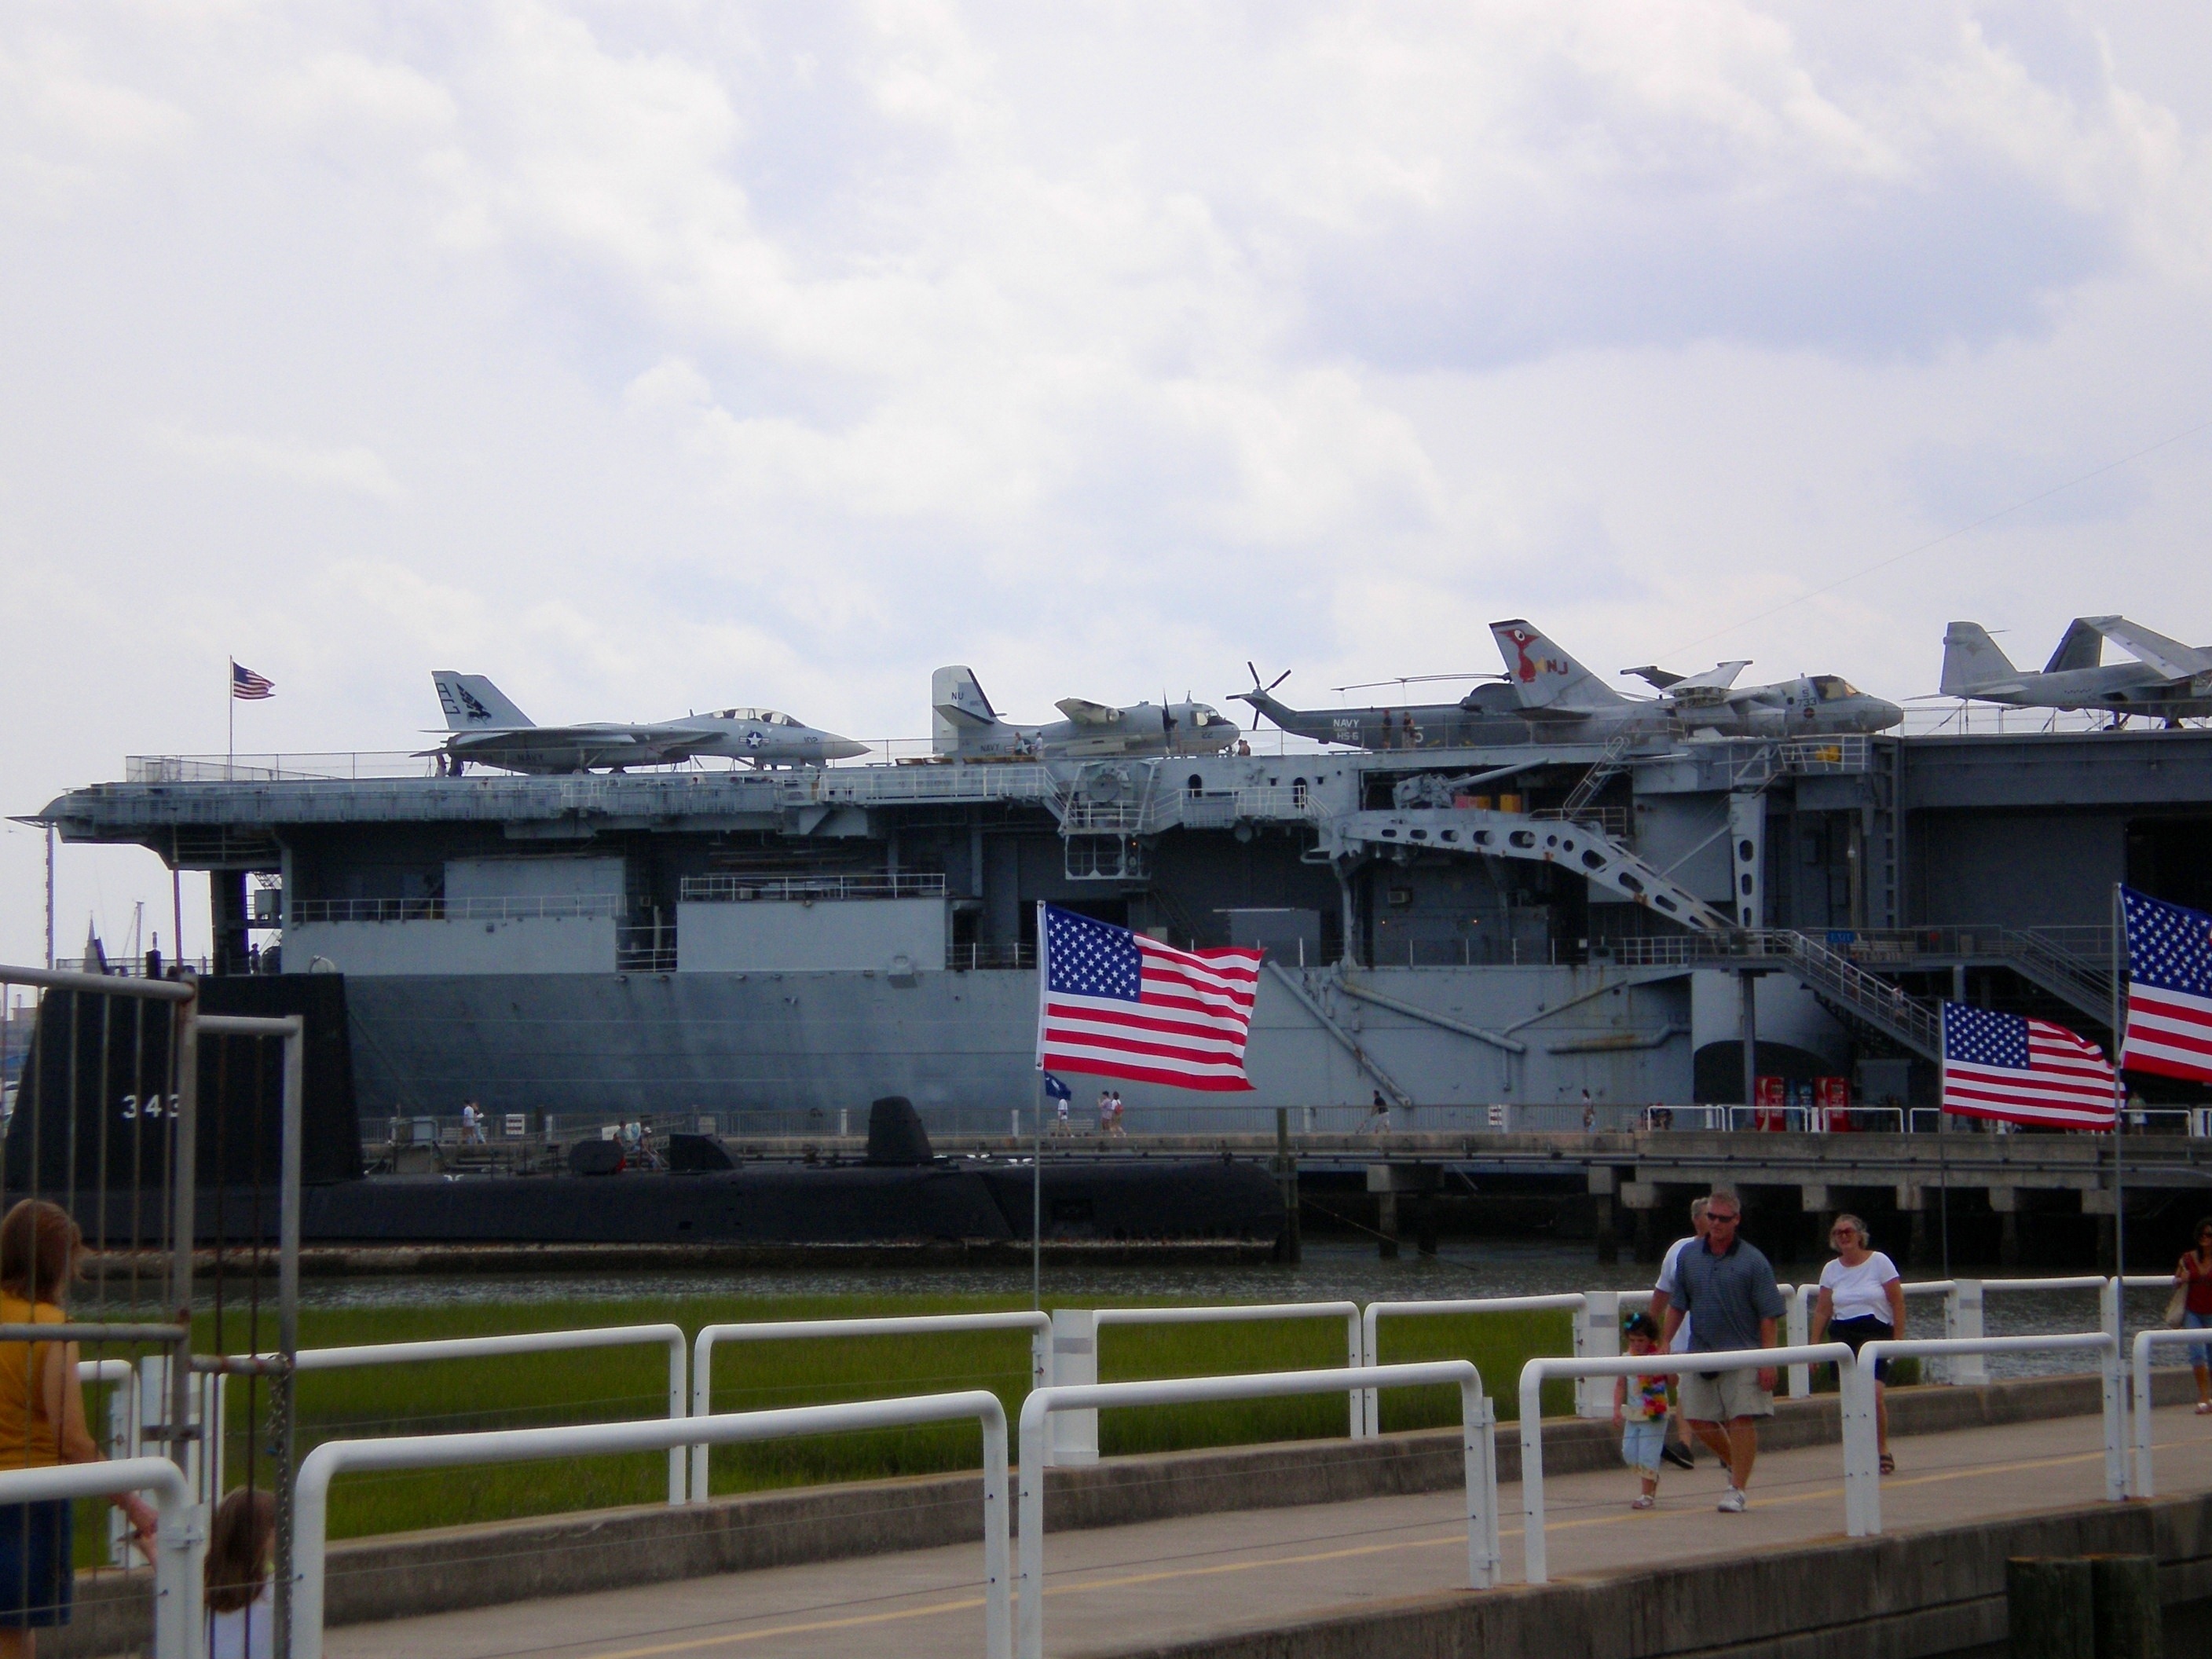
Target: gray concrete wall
column 1932, row 1595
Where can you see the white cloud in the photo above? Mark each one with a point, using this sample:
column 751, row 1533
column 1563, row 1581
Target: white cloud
column 354, row 468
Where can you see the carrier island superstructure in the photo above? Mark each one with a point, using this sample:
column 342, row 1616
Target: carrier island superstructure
column 1528, row 923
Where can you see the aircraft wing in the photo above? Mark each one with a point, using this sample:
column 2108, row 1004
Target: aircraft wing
column 1087, row 714
column 1718, row 677
column 1655, row 676
column 2170, row 657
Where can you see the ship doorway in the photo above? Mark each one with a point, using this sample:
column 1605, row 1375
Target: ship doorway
column 2166, row 860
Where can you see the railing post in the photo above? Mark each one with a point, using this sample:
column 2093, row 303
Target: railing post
column 1535, row 1567
column 1355, row 1341
column 702, row 1405
column 1597, row 1336
column 1365, row 1400
column 1861, row 1448
column 1962, row 1319
column 1799, row 1335
column 1074, row 1434
column 1479, row 1447
column 2116, row 1424
column 2143, row 1485
column 676, row 1405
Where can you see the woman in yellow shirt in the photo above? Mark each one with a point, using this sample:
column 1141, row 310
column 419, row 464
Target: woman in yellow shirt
column 41, row 1423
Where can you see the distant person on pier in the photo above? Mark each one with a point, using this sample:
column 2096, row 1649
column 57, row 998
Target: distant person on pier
column 1378, row 1116
column 1678, row 1450
column 2194, row 1271
column 1119, row 1133
column 42, row 1424
column 1862, row 1300
column 1105, row 1111
column 1728, row 1286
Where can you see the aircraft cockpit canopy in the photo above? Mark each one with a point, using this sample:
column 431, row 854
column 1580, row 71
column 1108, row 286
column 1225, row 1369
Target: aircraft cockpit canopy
column 1833, row 687
column 765, row 716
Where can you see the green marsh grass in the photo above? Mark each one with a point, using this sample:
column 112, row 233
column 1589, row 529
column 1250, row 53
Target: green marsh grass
column 609, row 1384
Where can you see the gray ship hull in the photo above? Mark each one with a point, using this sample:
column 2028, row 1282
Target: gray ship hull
column 959, row 1045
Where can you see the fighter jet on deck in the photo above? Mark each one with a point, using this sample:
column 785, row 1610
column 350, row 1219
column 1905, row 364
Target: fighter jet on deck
column 1548, row 696
column 966, row 727
column 489, row 729
column 2168, row 680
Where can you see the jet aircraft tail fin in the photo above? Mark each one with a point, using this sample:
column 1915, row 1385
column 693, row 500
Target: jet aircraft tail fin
column 957, row 707
column 1973, row 661
column 1545, row 677
column 473, row 703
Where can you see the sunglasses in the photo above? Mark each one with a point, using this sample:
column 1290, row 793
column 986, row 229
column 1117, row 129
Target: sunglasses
column 1720, row 1221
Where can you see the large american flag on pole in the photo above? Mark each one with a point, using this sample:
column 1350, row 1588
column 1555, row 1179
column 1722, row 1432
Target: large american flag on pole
column 2023, row 1070
column 1114, row 1003
column 2169, row 1026
column 247, row 686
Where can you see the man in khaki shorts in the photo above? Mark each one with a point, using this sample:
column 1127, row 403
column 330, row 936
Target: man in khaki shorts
column 1728, row 1286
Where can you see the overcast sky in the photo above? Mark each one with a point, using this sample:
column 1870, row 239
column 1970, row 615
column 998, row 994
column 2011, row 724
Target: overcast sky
column 656, row 356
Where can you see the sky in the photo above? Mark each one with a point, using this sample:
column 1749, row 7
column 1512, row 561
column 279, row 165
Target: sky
column 663, row 356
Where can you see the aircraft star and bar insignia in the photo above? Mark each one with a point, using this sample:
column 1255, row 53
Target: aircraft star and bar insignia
column 2169, row 1025
column 2023, row 1070
column 1114, row 1003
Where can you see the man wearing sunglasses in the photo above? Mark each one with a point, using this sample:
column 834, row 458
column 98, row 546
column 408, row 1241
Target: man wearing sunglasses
column 1728, row 1286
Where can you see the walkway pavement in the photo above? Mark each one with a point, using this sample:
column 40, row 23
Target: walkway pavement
column 1127, row 1587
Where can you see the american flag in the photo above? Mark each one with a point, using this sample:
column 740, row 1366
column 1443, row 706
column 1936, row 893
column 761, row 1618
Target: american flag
column 1116, row 1003
column 2024, row 1071
column 2169, row 1027
column 247, row 686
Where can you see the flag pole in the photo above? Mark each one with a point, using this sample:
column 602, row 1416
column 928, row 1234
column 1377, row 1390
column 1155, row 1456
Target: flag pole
column 1037, row 1126
column 230, row 707
column 1037, row 1198
column 2119, row 1096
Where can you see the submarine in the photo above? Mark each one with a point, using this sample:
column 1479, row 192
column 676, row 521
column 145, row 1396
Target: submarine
column 88, row 1132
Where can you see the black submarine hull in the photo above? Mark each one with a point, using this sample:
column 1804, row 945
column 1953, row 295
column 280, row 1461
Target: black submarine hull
column 955, row 1201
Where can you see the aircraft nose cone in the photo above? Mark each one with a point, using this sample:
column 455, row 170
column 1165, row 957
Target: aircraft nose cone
column 1882, row 715
column 842, row 748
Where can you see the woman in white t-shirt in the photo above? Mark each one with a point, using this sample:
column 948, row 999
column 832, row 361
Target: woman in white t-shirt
column 1862, row 1300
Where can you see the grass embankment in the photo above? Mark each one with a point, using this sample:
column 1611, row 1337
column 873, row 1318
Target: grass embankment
column 608, row 1384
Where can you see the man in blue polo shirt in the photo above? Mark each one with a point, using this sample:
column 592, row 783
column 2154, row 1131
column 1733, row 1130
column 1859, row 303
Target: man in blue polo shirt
column 1728, row 1286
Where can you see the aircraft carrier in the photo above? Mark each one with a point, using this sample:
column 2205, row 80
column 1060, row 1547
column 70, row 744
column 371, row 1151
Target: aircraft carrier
column 1528, row 924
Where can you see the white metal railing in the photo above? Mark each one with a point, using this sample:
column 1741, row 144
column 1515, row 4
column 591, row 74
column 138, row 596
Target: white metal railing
column 180, row 1544
column 1860, row 1451
column 1577, row 1302
column 1478, row 1447
column 667, row 1336
column 1075, row 1355
column 1038, row 1325
column 1538, row 1371
column 725, row 889
column 2142, row 1485
column 311, row 1505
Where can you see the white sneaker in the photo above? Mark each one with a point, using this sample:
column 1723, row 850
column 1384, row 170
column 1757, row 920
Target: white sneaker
column 1734, row 1502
